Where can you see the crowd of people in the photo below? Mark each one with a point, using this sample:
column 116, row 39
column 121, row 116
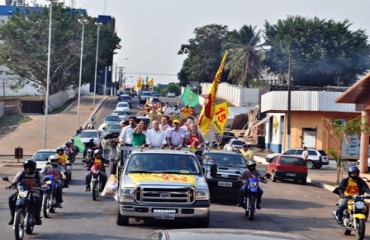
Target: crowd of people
column 161, row 108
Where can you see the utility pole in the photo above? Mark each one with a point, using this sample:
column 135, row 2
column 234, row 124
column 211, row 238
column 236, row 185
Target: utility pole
column 289, row 104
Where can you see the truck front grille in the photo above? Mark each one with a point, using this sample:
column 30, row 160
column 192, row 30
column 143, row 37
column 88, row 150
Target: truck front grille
column 165, row 194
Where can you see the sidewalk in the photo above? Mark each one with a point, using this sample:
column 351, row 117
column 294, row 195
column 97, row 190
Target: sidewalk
column 60, row 128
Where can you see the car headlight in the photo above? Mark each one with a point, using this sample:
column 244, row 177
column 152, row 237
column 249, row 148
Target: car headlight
column 202, row 195
column 128, row 193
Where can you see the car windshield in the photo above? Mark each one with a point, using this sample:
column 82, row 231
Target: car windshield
column 146, row 93
column 237, row 142
column 292, row 160
column 163, row 163
column 226, row 159
column 119, row 112
column 85, row 134
column 114, row 127
column 42, row 156
column 111, row 118
column 123, row 104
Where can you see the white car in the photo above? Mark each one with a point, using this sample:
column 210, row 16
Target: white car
column 123, row 106
column 171, row 94
column 121, row 114
column 87, row 134
column 41, row 157
column 234, row 145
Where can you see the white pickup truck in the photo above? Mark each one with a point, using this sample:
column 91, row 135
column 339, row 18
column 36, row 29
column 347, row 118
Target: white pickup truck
column 163, row 185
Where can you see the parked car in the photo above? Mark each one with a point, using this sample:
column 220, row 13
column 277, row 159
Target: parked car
column 171, row 94
column 87, row 134
column 41, row 157
column 227, row 181
column 316, row 158
column 111, row 119
column 234, row 145
column 125, row 98
column 123, row 106
column 290, row 167
column 225, row 138
column 144, row 95
column 121, row 114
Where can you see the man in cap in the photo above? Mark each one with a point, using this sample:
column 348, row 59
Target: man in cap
column 175, row 136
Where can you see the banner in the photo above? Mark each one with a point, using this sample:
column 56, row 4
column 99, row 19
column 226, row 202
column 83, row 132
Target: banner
column 78, row 143
column 220, row 117
column 151, row 82
column 190, row 98
column 208, row 110
column 139, row 84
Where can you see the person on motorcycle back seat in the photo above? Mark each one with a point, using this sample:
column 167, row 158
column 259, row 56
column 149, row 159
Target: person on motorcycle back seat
column 246, row 152
column 251, row 172
column 31, row 178
column 55, row 169
column 69, row 148
column 62, row 158
column 90, row 144
column 350, row 186
column 99, row 161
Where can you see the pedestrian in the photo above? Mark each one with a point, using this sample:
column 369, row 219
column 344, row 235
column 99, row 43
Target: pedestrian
column 305, row 153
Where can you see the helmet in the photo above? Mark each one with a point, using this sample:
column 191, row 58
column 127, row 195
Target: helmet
column 69, row 142
column 245, row 146
column 53, row 160
column 91, row 139
column 355, row 170
column 97, row 151
column 29, row 164
column 251, row 165
column 60, row 148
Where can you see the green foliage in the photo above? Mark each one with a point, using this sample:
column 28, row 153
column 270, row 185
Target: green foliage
column 323, row 52
column 9, row 122
column 25, row 47
column 174, row 87
column 204, row 54
column 245, row 56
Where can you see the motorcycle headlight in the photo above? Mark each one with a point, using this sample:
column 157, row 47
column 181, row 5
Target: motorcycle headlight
column 360, row 205
column 128, row 193
column 22, row 194
column 202, row 195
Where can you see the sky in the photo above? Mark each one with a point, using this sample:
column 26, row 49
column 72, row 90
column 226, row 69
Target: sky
column 152, row 31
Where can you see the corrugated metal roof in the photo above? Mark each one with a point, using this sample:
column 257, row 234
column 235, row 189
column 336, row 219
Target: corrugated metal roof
column 304, row 101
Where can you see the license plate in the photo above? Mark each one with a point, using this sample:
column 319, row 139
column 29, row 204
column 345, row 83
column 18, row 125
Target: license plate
column 225, row 184
column 164, row 214
column 290, row 174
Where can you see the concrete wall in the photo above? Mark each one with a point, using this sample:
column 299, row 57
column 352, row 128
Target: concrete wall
column 2, row 108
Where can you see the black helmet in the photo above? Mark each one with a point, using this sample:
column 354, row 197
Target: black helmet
column 60, row 148
column 245, row 146
column 251, row 165
column 29, row 164
column 53, row 160
column 355, row 170
column 91, row 139
column 97, row 151
column 69, row 142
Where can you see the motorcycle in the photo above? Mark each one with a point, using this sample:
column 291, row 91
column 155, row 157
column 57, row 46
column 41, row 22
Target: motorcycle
column 24, row 217
column 250, row 197
column 68, row 171
column 95, row 183
column 48, row 199
column 89, row 156
column 355, row 216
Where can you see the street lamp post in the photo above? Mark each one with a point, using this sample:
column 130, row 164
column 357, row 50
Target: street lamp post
column 96, row 58
column 48, row 75
column 82, row 22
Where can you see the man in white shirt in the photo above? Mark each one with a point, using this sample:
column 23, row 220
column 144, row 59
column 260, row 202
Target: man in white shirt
column 164, row 126
column 126, row 135
column 167, row 109
column 155, row 137
column 305, row 153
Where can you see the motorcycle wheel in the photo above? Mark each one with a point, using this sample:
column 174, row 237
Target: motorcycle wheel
column 360, row 229
column 19, row 224
column 46, row 205
column 252, row 208
column 95, row 191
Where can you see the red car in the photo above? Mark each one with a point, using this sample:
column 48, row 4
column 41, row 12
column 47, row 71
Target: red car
column 290, row 167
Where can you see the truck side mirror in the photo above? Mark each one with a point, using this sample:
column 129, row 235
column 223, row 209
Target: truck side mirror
column 213, row 170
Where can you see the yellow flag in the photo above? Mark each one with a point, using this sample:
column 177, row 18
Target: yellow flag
column 220, row 117
column 139, row 85
column 151, row 82
column 208, row 110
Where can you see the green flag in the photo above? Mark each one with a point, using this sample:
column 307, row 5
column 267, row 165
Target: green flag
column 146, row 80
column 78, row 143
column 190, row 98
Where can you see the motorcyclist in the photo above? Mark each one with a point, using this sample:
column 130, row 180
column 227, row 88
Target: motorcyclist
column 62, row 157
column 90, row 144
column 250, row 172
column 350, row 186
column 69, row 149
column 54, row 168
column 100, row 161
column 31, row 178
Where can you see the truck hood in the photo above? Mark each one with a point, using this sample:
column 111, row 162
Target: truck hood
column 134, row 179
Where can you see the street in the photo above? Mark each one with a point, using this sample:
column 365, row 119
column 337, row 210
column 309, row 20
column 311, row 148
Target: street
column 286, row 207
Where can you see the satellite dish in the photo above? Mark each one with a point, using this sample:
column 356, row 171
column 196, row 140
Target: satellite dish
column 8, row 2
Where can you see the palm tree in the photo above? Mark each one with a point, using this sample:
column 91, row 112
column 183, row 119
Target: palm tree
column 245, row 56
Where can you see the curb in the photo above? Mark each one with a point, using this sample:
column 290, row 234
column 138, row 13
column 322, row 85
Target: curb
column 262, row 160
column 95, row 110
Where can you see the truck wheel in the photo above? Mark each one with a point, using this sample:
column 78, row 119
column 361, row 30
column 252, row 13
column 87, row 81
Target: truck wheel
column 203, row 223
column 121, row 220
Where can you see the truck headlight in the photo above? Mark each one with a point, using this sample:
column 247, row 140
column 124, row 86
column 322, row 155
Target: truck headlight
column 128, row 193
column 202, row 195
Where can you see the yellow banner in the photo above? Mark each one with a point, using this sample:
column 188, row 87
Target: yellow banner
column 208, row 110
column 162, row 177
column 220, row 117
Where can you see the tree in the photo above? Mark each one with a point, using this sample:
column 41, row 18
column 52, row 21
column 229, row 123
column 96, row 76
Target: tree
column 322, row 52
column 25, row 48
column 204, row 54
column 245, row 55
column 342, row 130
